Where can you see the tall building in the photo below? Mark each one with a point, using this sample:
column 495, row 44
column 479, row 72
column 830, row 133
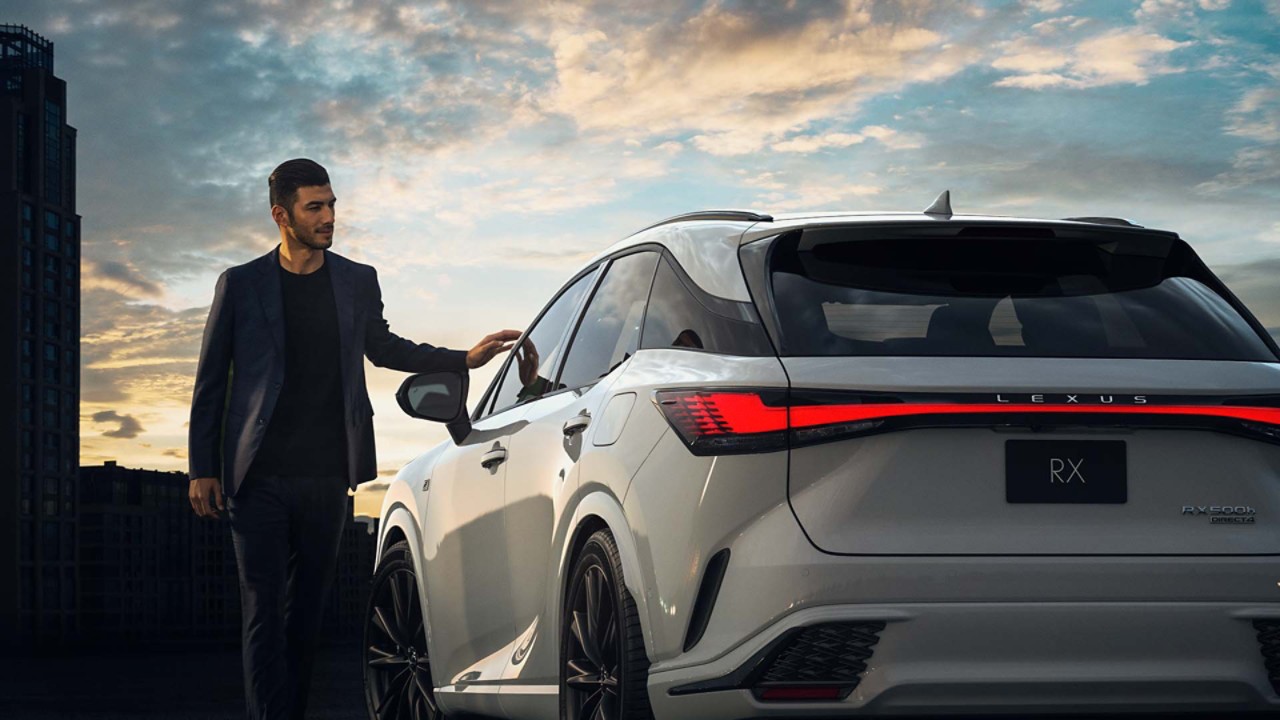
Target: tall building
column 152, row 572
column 39, row 337
column 155, row 574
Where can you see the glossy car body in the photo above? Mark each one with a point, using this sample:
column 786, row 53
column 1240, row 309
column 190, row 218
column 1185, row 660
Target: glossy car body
column 902, row 532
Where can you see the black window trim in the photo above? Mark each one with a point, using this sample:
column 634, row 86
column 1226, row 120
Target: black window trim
column 491, row 392
column 582, row 314
column 745, row 311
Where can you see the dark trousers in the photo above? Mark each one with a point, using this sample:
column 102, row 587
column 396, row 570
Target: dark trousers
column 287, row 531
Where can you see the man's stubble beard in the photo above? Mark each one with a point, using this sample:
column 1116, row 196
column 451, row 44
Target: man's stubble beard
column 309, row 239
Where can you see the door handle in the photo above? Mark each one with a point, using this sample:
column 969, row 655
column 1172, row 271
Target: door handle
column 577, row 424
column 493, row 458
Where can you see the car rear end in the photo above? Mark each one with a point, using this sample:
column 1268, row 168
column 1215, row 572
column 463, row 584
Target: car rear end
column 1031, row 466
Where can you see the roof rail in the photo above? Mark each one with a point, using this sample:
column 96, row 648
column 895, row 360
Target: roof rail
column 1104, row 221
column 738, row 215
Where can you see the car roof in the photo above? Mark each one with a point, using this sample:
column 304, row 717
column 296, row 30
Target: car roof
column 706, row 242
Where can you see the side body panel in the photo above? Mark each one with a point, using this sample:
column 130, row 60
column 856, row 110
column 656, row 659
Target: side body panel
column 682, row 508
column 465, row 572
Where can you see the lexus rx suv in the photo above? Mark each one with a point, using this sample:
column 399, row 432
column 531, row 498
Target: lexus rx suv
column 840, row 464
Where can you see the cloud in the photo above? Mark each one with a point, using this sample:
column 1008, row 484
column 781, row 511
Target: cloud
column 1255, row 284
column 131, row 351
column 1044, row 6
column 779, row 192
column 1250, row 166
column 737, row 78
column 1127, row 56
column 890, row 138
column 117, row 276
column 129, row 426
column 1257, row 115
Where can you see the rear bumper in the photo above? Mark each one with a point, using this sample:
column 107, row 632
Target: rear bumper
column 993, row 657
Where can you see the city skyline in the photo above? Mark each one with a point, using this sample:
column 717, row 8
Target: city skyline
column 480, row 152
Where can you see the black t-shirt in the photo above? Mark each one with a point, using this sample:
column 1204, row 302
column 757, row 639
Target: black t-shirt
column 307, row 432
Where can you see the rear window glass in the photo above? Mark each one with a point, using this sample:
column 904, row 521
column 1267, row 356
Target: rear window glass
column 1136, row 297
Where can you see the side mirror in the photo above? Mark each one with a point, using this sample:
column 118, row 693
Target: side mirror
column 439, row 396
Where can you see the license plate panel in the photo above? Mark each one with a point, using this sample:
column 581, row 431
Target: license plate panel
column 1066, row 471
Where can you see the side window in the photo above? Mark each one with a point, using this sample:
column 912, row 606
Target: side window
column 610, row 328
column 677, row 318
column 527, row 375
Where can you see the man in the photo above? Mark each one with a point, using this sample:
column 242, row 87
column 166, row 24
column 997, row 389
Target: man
column 280, row 414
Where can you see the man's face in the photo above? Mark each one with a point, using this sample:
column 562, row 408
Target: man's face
column 311, row 220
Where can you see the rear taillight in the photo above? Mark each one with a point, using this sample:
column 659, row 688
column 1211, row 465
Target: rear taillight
column 720, row 422
column 713, row 422
column 724, row 422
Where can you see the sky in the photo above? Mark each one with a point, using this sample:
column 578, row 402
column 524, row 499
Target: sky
column 482, row 151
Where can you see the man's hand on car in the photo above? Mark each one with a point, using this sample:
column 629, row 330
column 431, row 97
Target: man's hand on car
column 206, row 496
column 491, row 345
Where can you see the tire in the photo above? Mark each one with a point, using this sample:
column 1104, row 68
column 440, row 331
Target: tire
column 604, row 670
column 397, row 671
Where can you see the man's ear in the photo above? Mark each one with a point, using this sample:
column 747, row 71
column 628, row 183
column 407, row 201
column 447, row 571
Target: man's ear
column 280, row 215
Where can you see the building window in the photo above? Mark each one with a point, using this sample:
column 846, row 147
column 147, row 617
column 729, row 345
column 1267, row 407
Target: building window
column 51, row 241
column 50, row 543
column 26, row 370
column 22, row 156
column 68, row 585
column 51, row 220
column 51, row 355
column 26, row 278
column 26, row 257
column 26, row 234
column 53, row 152
column 28, row 485
column 27, row 304
column 26, row 347
column 70, row 176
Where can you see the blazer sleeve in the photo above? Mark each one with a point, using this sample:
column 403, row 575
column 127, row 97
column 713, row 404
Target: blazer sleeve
column 208, row 399
column 386, row 349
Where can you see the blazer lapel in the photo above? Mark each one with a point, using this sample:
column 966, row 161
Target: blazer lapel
column 269, row 295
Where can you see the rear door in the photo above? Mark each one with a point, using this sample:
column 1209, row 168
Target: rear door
column 545, row 452
column 1023, row 390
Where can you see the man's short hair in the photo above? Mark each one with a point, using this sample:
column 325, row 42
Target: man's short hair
column 291, row 175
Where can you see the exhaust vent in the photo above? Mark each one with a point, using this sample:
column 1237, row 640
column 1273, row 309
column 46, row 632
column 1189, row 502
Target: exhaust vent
column 1269, row 638
column 831, row 656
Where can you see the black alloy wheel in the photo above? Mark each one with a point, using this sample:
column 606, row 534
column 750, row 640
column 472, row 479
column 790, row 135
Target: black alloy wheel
column 604, row 667
column 397, row 671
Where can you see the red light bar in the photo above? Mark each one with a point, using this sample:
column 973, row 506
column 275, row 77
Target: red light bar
column 722, row 421
column 814, row 415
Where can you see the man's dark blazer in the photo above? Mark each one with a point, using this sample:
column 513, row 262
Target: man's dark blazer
column 241, row 369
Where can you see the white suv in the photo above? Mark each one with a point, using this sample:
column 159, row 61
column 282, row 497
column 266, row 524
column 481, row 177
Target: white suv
column 839, row 464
